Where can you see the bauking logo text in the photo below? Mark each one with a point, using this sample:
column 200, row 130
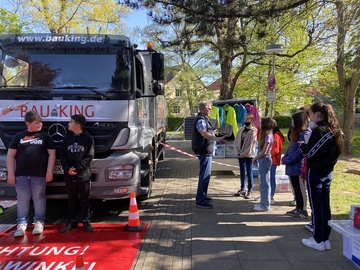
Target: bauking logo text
column 60, row 110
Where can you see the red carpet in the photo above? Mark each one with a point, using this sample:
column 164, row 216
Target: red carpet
column 107, row 247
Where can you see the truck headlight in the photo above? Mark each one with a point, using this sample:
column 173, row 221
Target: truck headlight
column 120, row 172
column 3, row 174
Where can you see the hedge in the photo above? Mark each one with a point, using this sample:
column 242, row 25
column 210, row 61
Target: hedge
column 283, row 121
column 175, row 122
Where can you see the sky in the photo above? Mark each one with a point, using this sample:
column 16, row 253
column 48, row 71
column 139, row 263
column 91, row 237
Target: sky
column 137, row 18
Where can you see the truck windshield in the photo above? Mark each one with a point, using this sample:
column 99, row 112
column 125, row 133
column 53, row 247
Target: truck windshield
column 106, row 68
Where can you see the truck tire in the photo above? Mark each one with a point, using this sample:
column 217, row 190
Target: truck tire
column 161, row 147
column 162, row 155
column 149, row 178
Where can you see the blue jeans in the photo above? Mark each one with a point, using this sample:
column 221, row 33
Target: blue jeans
column 264, row 177
column 273, row 179
column 204, row 178
column 246, row 164
column 27, row 188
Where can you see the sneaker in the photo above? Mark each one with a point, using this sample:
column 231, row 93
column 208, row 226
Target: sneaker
column 310, row 227
column 292, row 212
column 87, row 226
column 20, row 230
column 258, row 208
column 208, row 199
column 204, row 205
column 301, row 214
column 272, row 201
column 292, row 202
column 311, row 243
column 69, row 226
column 38, row 227
column 327, row 245
column 248, row 195
column 257, row 198
column 239, row 193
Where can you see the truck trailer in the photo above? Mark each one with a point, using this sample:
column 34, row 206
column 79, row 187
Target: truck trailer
column 116, row 86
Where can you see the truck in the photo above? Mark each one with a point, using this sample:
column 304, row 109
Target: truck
column 116, row 86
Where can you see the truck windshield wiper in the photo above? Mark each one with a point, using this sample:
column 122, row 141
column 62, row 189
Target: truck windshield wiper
column 27, row 89
column 92, row 89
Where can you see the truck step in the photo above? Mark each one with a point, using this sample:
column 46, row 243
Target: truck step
column 143, row 190
column 142, row 155
column 144, row 173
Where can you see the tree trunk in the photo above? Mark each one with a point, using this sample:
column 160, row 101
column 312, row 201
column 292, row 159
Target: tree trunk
column 226, row 42
column 348, row 82
column 349, row 117
column 226, row 67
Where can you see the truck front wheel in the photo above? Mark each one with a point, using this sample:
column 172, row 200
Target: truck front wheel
column 149, row 177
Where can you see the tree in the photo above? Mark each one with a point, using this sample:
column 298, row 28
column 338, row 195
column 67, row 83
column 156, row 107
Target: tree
column 188, row 65
column 348, row 48
column 10, row 23
column 227, row 27
column 58, row 16
column 295, row 71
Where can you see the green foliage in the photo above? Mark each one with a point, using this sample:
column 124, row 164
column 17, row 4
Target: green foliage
column 174, row 122
column 10, row 23
column 77, row 16
column 283, row 121
column 236, row 32
column 294, row 68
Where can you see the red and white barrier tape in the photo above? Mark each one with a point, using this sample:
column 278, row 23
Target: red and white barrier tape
column 193, row 156
column 175, row 131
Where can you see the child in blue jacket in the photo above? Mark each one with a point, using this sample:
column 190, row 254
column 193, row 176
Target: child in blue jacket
column 293, row 159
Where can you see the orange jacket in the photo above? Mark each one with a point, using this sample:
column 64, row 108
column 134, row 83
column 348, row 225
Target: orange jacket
column 276, row 149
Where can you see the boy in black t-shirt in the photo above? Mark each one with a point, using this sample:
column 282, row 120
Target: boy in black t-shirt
column 33, row 152
column 76, row 155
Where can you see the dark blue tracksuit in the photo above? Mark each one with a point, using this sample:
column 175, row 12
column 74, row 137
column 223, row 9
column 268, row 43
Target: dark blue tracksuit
column 322, row 154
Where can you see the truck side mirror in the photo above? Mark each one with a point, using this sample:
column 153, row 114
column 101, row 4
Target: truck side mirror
column 158, row 88
column 138, row 94
column 157, row 67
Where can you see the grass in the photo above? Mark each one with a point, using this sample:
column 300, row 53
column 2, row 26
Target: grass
column 345, row 188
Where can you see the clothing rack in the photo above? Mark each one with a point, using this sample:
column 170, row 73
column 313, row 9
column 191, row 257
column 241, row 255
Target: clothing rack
column 232, row 102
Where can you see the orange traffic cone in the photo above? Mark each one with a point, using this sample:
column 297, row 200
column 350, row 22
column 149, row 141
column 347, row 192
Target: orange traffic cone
column 79, row 263
column 133, row 219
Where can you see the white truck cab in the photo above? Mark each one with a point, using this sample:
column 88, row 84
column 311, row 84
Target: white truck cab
column 118, row 88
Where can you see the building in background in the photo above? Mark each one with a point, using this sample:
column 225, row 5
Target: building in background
column 184, row 91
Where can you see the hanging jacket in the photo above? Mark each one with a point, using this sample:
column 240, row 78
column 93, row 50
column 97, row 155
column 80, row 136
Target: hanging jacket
column 240, row 113
column 231, row 126
column 214, row 117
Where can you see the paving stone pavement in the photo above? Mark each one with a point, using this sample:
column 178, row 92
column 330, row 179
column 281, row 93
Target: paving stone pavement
column 229, row 236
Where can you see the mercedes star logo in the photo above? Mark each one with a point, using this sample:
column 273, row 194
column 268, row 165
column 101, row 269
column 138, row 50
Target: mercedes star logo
column 57, row 132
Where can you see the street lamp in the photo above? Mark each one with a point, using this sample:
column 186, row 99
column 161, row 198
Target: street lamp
column 272, row 49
